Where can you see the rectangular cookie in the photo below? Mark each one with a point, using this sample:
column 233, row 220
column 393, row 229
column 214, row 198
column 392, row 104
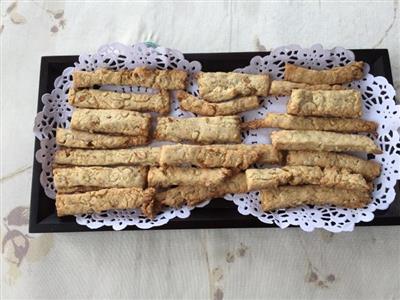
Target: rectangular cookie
column 221, row 86
column 82, row 139
column 111, row 121
column 193, row 195
column 144, row 156
column 292, row 196
column 284, row 88
column 75, row 178
column 141, row 76
column 337, row 75
column 106, row 199
column 90, row 98
column 201, row 130
column 303, row 175
column 341, row 104
column 168, row 176
column 322, row 141
column 285, row 121
column 369, row 169
column 204, row 108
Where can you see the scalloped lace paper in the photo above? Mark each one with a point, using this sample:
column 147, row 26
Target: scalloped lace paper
column 379, row 106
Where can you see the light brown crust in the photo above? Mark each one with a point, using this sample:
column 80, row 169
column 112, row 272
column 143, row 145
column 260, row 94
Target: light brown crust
column 285, row 121
column 201, row 130
column 82, row 139
column 302, row 175
column 141, row 76
column 168, row 176
column 337, row 75
column 204, row 108
column 220, row 86
column 284, row 88
column 239, row 156
column 341, row 104
column 369, row 169
column 80, row 178
column 105, row 199
column 293, row 196
column 193, row 195
column 322, row 141
column 144, row 156
column 90, row 98
column 111, row 121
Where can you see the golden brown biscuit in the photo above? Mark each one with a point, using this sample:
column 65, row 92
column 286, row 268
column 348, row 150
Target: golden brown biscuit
column 322, row 141
column 284, row 88
column 220, row 86
column 292, row 196
column 341, row 104
column 337, row 75
column 367, row 168
column 204, row 108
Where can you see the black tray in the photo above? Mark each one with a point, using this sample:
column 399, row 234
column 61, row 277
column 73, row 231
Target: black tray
column 219, row 213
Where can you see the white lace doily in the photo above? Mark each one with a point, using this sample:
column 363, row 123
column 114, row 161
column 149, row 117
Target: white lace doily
column 379, row 106
column 57, row 113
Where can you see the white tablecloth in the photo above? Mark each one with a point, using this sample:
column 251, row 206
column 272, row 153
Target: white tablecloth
column 216, row 264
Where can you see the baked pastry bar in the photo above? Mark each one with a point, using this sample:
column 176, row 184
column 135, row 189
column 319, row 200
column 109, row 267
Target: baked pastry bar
column 285, row 121
column 202, row 130
column 284, row 88
column 106, row 199
column 342, row 104
column 141, row 76
column 239, row 156
column 111, row 121
column 143, row 156
column 169, row 176
column 220, row 86
column 68, row 180
column 82, row 139
column 90, row 98
column 292, row 196
column 201, row 107
column 369, row 169
column 322, row 141
column 193, row 195
column 303, row 175
column 337, row 75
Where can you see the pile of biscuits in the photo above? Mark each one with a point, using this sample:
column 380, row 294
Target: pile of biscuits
column 103, row 162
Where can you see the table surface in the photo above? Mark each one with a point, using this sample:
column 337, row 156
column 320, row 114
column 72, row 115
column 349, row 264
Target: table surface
column 202, row 264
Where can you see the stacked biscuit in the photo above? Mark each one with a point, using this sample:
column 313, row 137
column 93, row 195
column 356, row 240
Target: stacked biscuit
column 321, row 120
column 102, row 163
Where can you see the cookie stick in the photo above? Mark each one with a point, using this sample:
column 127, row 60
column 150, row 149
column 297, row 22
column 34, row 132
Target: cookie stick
column 342, row 104
column 193, row 195
column 82, row 139
column 300, row 175
column 201, row 107
column 168, row 176
column 143, row 156
column 111, row 121
column 90, row 98
column 285, row 121
column 337, row 75
column 220, row 86
column 106, row 199
column 201, row 130
column 66, row 179
column 369, row 169
column 284, row 88
column 292, row 196
column 141, row 76
column 322, row 141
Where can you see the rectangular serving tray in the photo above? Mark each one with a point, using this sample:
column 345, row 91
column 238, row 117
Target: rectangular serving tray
column 219, row 213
